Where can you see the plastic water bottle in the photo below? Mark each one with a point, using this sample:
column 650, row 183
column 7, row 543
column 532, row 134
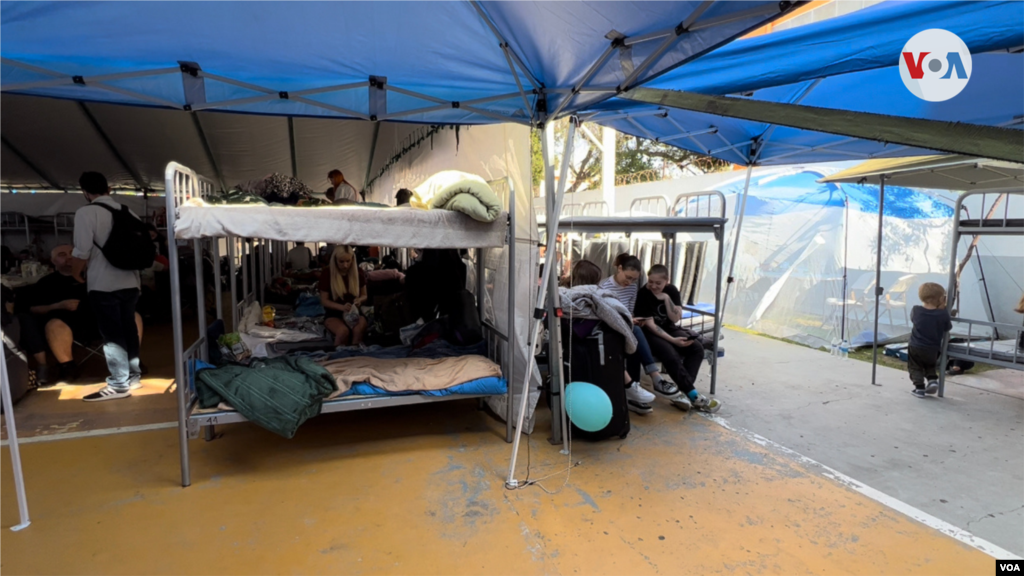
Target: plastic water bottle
column 844, row 349
column 834, row 351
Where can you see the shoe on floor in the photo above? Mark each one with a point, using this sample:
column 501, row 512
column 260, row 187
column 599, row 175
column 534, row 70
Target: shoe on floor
column 635, row 392
column 639, row 407
column 682, row 402
column 919, row 392
column 932, row 387
column 67, row 372
column 135, row 384
column 107, row 393
column 666, row 389
column 43, row 378
column 705, row 404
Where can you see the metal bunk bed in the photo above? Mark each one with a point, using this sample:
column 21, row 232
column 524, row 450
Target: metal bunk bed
column 183, row 184
column 16, row 222
column 993, row 350
column 668, row 227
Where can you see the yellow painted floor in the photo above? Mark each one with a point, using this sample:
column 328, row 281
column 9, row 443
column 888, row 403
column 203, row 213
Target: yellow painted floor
column 419, row 490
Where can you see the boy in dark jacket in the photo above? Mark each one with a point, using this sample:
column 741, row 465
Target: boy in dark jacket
column 931, row 323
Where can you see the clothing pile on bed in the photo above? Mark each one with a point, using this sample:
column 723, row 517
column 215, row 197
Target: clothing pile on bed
column 271, row 189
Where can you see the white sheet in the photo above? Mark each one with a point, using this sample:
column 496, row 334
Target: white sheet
column 395, row 227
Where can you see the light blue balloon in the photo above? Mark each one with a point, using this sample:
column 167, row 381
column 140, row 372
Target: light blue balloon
column 588, row 406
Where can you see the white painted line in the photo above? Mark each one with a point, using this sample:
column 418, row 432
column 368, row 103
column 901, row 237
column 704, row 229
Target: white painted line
column 90, row 433
column 882, row 498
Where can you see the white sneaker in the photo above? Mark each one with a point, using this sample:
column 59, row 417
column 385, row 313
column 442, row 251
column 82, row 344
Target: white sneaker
column 639, row 394
column 682, row 402
column 709, row 405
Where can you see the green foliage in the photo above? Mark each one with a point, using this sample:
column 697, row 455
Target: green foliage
column 536, row 159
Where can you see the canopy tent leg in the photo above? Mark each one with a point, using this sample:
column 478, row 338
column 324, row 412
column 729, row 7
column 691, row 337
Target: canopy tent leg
column 735, row 244
column 511, row 321
column 846, row 251
column 555, row 374
column 719, row 311
column 538, row 321
column 12, row 438
column 878, row 281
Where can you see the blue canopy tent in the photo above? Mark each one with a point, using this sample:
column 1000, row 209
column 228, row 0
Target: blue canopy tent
column 338, row 59
column 429, row 63
column 443, row 63
column 828, row 65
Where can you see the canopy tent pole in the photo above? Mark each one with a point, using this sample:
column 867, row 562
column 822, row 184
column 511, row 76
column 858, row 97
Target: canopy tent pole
column 556, row 379
column 878, row 281
column 958, row 138
column 846, row 252
column 736, row 241
column 12, row 442
column 538, row 313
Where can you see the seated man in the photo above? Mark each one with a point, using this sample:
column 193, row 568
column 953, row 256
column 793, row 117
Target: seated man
column 56, row 313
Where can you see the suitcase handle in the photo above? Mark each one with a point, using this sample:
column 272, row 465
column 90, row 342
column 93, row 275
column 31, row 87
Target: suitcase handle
column 600, row 343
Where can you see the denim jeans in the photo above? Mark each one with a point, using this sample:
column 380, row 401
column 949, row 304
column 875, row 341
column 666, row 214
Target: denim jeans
column 115, row 315
column 642, row 355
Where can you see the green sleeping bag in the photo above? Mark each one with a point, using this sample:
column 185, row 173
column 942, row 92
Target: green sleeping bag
column 278, row 394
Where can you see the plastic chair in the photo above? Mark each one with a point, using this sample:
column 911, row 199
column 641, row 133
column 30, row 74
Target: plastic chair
column 896, row 298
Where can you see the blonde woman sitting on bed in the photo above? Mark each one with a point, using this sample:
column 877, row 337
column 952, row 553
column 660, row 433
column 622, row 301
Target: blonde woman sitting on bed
column 342, row 291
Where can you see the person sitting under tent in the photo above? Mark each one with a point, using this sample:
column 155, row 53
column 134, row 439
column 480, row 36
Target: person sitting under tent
column 340, row 189
column 299, row 257
column 623, row 286
column 342, row 291
column 55, row 314
column 681, row 352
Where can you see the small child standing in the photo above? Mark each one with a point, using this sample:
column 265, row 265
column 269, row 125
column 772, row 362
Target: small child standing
column 931, row 323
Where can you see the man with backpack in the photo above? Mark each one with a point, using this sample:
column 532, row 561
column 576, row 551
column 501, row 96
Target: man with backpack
column 116, row 245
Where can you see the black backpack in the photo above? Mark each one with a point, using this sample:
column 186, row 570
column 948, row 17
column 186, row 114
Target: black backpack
column 129, row 246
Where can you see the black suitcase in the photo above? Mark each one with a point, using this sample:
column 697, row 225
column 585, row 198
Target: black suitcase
column 600, row 359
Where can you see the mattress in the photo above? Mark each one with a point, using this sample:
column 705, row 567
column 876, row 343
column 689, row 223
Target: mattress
column 354, row 225
column 1002, row 350
column 489, row 385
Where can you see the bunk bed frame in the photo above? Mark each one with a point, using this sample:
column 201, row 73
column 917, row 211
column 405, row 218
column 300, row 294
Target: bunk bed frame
column 183, row 184
column 16, row 222
column 987, row 225
column 669, row 226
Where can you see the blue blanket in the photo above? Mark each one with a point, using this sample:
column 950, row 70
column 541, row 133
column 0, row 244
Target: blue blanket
column 492, row 385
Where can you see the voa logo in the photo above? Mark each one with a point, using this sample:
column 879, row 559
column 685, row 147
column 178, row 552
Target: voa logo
column 935, row 65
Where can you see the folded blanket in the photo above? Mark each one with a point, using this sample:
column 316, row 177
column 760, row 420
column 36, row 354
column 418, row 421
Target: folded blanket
column 409, row 374
column 462, row 192
column 591, row 303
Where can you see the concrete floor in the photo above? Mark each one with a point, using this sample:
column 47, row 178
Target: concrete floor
column 420, row 490
column 60, row 410
column 958, row 458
